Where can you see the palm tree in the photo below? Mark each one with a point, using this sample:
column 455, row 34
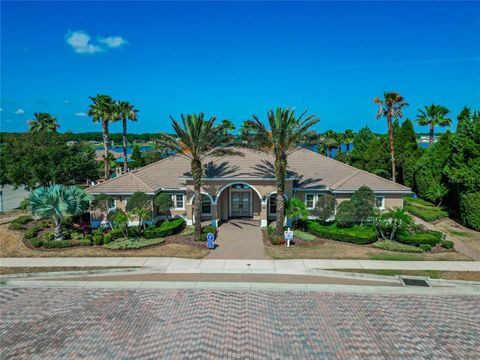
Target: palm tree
column 340, row 137
column 348, row 138
column 284, row 135
column 195, row 139
column 126, row 111
column 390, row 107
column 329, row 141
column 103, row 110
column 58, row 201
column 43, row 122
column 227, row 125
column 433, row 115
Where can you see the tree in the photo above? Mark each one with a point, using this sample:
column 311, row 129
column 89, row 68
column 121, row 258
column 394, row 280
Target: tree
column 196, row 139
column 120, row 221
column 433, row 115
column 43, row 159
column 43, row 122
column 370, row 153
column 283, row 136
column 329, row 141
column 407, row 151
column 103, row 110
column 345, row 215
column 325, row 207
column 363, row 201
column 58, row 201
column 296, row 210
column 163, row 202
column 137, row 156
column 470, row 210
column 102, row 203
column 436, row 193
column 395, row 221
column 125, row 111
column 227, row 126
column 348, row 139
column 140, row 205
column 390, row 107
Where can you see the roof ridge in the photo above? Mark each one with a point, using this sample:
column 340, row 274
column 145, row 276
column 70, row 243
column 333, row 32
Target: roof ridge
column 345, row 179
column 109, row 180
column 382, row 178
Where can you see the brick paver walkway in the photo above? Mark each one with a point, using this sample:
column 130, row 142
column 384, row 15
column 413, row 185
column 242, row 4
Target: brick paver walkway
column 71, row 323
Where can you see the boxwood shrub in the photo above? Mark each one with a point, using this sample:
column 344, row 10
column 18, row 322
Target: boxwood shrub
column 355, row 234
column 16, row 226
column 425, row 247
column 107, row 238
column 424, row 210
column 165, row 229
column 36, row 242
column 391, row 245
column 430, row 237
column 447, row 244
column 22, row 220
column 33, row 231
column 85, row 242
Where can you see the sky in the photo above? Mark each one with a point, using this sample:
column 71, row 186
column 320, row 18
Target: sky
column 233, row 60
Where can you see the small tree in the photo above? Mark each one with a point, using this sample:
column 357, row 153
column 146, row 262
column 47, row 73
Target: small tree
column 396, row 220
column 436, row 193
column 137, row 156
column 296, row 211
column 345, row 215
column 139, row 204
column 164, row 203
column 102, row 203
column 363, row 201
column 120, row 221
column 325, row 207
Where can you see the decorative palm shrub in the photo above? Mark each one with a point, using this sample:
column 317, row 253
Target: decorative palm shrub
column 57, row 202
column 140, row 205
column 296, row 211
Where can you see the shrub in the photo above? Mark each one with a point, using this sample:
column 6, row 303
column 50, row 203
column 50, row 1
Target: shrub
column 163, row 202
column 85, row 242
column 345, row 216
column 325, row 207
column 133, row 243
column 55, row 244
column 203, row 237
column 36, row 242
column 33, row 231
column 429, row 237
column 296, row 210
column 134, row 231
column 75, row 235
column 447, row 244
column 356, row 234
column 107, row 238
column 209, row 229
column 424, row 209
column 425, row 247
column 117, row 234
column 363, row 201
column 165, row 229
column 302, row 235
column 25, row 219
column 16, row 226
column 48, row 235
column 470, row 210
column 391, row 245
column 98, row 239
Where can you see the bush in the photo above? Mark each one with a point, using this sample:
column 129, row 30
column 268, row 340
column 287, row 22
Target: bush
column 134, row 231
column 345, row 215
column 133, row 243
column 75, row 235
column 165, row 229
column 447, row 244
column 429, row 237
column 425, row 247
column 33, row 231
column 22, row 220
column 16, row 226
column 55, row 244
column 391, row 245
column 107, row 238
column 363, row 201
column 302, row 235
column 470, row 210
column 48, row 235
column 203, row 237
column 36, row 242
column 273, row 237
column 209, row 229
column 356, row 234
column 98, row 239
column 424, row 210
column 325, row 207
column 85, row 242
column 117, row 234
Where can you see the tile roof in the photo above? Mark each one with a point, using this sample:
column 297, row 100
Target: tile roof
column 310, row 170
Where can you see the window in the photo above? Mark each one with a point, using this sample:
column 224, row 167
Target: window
column 178, row 202
column 206, row 205
column 272, row 204
column 380, row 202
column 310, row 201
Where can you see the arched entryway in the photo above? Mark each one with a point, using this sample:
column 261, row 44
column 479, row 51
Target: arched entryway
column 238, row 200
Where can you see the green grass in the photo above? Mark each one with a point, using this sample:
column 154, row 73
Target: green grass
column 302, row 235
column 396, row 257
column 391, row 245
column 434, row 274
column 424, row 209
column 188, row 231
column 133, row 243
column 355, row 234
column 459, row 233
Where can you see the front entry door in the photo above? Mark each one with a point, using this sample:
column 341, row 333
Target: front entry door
column 241, row 204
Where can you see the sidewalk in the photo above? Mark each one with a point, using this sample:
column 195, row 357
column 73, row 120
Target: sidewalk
column 299, row 266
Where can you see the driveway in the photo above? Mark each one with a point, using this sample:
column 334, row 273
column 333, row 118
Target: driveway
column 239, row 239
column 72, row 323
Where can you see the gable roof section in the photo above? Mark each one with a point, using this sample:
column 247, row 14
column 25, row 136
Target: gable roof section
column 361, row 178
column 127, row 183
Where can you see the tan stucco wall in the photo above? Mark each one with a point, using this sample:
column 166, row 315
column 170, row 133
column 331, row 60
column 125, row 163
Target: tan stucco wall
column 391, row 200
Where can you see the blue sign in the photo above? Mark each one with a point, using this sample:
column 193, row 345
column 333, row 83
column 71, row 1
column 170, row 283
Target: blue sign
column 210, row 240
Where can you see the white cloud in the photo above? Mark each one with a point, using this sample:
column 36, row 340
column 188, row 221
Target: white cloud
column 80, row 42
column 19, row 112
column 112, row 41
column 81, row 114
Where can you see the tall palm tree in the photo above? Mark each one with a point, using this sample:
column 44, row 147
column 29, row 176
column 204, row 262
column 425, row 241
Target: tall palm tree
column 348, row 138
column 391, row 107
column 195, row 139
column 329, row 141
column 340, row 137
column 433, row 115
column 227, row 126
column 58, row 201
column 125, row 111
column 43, row 122
column 103, row 110
column 285, row 133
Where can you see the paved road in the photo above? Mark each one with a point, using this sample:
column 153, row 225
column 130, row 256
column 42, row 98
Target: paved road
column 51, row 323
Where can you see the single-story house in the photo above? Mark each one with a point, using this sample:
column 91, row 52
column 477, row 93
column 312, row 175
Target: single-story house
column 243, row 185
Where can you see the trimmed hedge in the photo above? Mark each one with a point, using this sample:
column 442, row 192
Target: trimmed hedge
column 33, row 231
column 391, row 245
column 470, row 210
column 85, row 242
column 55, row 244
column 424, row 210
column 22, row 220
column 207, row 229
column 165, row 229
column 430, row 237
column 355, row 234
column 447, row 244
column 107, row 238
column 16, row 226
column 133, row 243
column 36, row 242
column 425, row 247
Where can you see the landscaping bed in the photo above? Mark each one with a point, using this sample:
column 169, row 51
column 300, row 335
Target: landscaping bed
column 355, row 234
column 424, row 210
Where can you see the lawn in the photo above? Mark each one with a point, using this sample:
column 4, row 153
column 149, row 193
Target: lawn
column 468, row 236
column 433, row 274
column 425, row 210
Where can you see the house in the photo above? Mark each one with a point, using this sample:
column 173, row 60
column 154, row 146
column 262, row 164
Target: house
column 243, row 185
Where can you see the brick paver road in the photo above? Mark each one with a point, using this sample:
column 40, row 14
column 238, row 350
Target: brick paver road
column 48, row 323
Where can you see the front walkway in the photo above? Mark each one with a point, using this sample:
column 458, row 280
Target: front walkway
column 239, row 239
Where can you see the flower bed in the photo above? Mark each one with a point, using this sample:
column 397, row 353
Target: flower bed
column 355, row 234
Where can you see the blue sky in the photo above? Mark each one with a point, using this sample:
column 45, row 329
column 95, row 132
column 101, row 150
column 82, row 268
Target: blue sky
column 235, row 59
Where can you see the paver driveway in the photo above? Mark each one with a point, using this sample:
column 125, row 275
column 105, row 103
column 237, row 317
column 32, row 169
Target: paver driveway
column 49, row 323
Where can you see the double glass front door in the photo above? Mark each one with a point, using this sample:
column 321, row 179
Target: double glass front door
column 241, row 203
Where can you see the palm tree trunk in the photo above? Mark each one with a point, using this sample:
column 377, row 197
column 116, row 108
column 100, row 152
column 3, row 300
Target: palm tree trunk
column 392, row 150
column 106, row 165
column 197, row 201
column 58, row 228
column 125, row 163
column 430, row 141
column 280, row 173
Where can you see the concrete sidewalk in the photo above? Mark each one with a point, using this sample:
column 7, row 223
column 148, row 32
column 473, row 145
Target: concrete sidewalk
column 299, row 266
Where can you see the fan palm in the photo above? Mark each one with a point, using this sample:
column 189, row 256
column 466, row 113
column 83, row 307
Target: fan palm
column 285, row 133
column 396, row 220
column 433, row 115
column 103, row 110
column 227, row 126
column 58, row 201
column 43, row 122
column 125, row 111
column 348, row 139
column 195, row 139
column 329, row 141
column 391, row 107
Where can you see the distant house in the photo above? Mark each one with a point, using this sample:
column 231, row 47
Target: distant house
column 99, row 154
column 244, row 185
